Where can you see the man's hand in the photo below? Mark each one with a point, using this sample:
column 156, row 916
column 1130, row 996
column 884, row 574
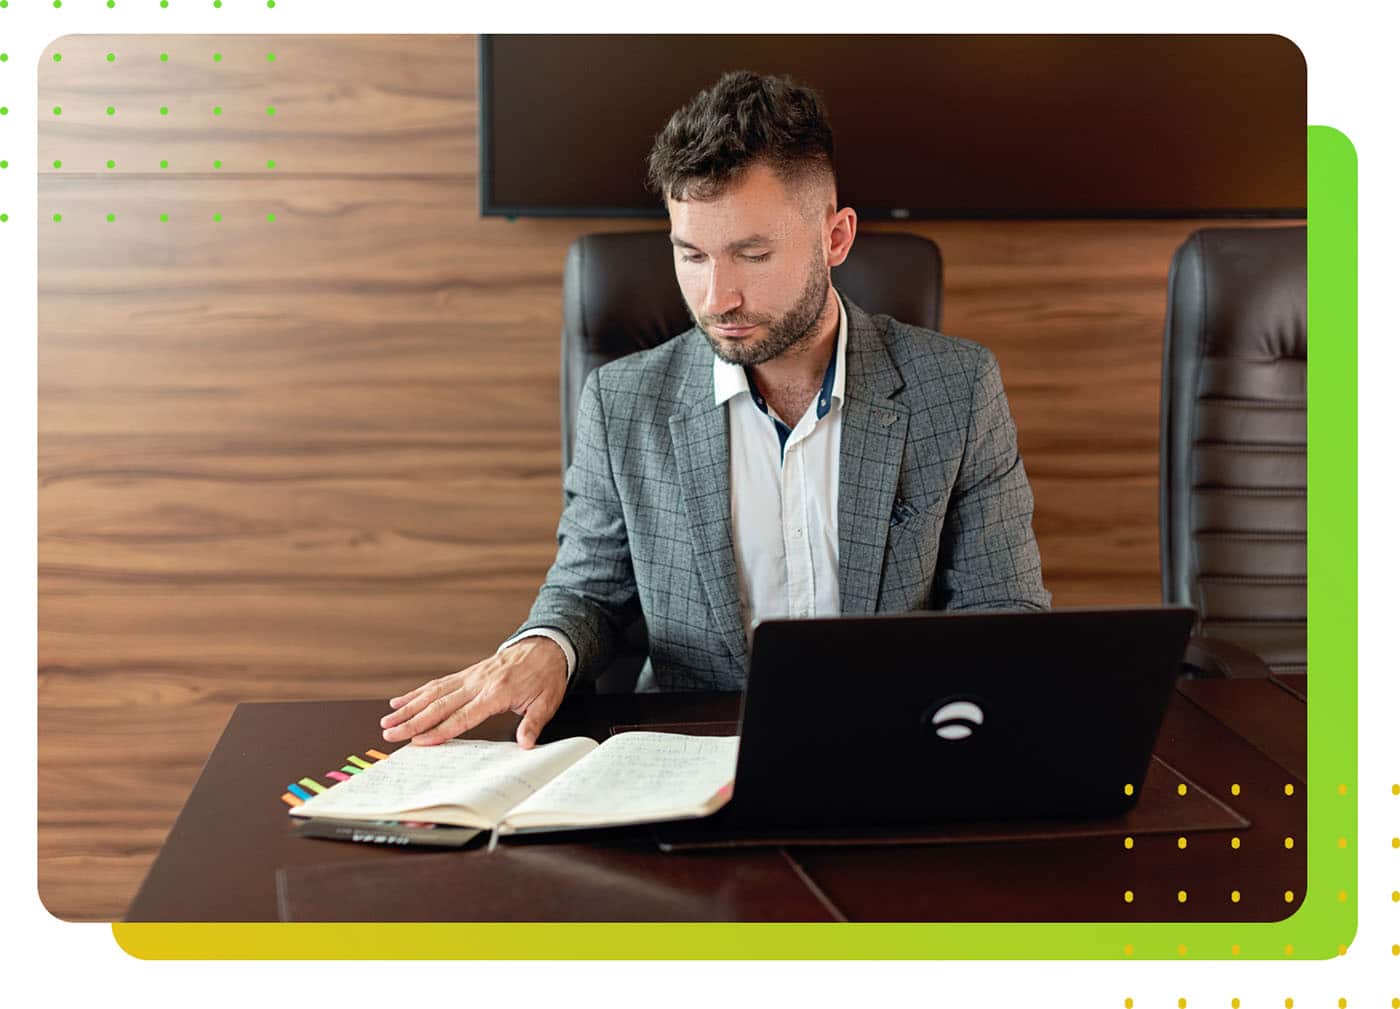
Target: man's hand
column 528, row 678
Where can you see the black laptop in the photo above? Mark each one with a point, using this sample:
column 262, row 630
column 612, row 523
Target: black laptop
column 861, row 723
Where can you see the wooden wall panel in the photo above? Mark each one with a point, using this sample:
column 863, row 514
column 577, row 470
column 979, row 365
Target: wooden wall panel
column 318, row 457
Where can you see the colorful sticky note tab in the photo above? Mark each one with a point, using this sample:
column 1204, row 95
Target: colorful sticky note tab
column 290, row 799
column 311, row 784
column 358, row 762
column 376, row 754
column 299, row 792
column 337, row 775
column 351, row 769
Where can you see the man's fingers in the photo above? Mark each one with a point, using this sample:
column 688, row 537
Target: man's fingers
column 430, row 712
column 533, row 722
column 469, row 716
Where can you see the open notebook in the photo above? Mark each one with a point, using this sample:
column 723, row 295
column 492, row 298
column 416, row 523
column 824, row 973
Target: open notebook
column 634, row 777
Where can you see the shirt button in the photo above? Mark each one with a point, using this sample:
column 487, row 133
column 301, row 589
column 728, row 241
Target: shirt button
column 797, row 534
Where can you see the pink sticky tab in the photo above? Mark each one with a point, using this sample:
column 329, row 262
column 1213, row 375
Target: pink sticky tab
column 338, row 775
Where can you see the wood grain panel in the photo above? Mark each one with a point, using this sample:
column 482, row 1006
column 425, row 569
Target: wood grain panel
column 345, row 105
column 318, row 457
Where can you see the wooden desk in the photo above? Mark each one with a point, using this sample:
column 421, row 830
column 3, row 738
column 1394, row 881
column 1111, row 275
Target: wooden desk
column 222, row 858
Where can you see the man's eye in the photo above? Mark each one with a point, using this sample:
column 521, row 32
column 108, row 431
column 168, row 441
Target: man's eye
column 756, row 259
column 692, row 259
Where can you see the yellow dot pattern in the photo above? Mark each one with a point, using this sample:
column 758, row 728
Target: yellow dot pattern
column 1288, row 896
column 1127, row 1003
column 1288, row 951
column 1181, row 843
column 1128, row 843
column 1181, row 1003
column 1288, row 789
column 1341, row 789
column 1181, row 950
column 1342, row 896
column 1288, row 1003
column 1235, row 789
column 1395, row 951
column 1235, row 950
column 1234, row 896
column 1341, row 842
column 1288, row 843
column 1181, row 788
column 1127, row 896
column 1235, row 843
column 1234, row 1003
column 1181, row 896
column 1128, row 789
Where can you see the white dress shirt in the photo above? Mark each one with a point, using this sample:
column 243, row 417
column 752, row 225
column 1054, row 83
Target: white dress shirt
column 782, row 500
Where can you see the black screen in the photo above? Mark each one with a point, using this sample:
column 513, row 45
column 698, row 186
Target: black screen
column 925, row 126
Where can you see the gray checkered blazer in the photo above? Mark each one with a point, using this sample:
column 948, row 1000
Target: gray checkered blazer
column 933, row 507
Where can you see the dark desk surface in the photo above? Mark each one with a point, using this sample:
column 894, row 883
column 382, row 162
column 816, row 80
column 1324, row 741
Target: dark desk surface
column 223, row 858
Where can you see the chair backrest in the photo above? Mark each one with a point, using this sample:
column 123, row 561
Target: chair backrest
column 1233, row 450
column 621, row 296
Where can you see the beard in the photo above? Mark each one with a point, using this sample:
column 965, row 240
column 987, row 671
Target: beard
column 796, row 329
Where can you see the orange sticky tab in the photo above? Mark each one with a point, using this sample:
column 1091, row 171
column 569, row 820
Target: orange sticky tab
column 376, row 754
column 290, row 799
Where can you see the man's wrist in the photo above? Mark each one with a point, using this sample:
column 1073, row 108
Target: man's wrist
column 558, row 637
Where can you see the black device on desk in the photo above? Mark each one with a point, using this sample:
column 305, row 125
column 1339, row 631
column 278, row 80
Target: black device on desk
column 921, row 718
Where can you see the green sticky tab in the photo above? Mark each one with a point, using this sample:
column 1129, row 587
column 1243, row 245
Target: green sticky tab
column 309, row 783
column 352, row 769
column 358, row 762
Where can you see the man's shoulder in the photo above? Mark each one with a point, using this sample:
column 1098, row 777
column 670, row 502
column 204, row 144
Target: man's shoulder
column 923, row 355
column 658, row 371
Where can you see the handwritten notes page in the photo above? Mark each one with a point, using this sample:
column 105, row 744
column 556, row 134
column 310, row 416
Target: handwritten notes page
column 635, row 777
column 467, row 782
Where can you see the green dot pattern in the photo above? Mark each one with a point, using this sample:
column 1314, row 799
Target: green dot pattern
column 57, row 218
column 4, row 57
column 4, row 218
column 270, row 164
column 165, row 3
column 57, row 110
column 58, row 57
column 165, row 217
column 165, row 57
column 164, row 163
column 218, row 110
column 272, row 217
column 111, row 57
column 111, row 164
column 218, row 164
column 58, row 164
column 111, row 217
column 6, row 164
column 111, row 111
column 218, row 217
column 271, row 57
column 218, row 57
column 164, row 110
column 271, row 111
column 4, row 110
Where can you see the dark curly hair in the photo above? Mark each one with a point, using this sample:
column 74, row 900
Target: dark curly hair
column 743, row 119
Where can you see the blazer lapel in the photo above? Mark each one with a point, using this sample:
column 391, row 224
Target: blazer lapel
column 700, row 438
column 873, row 430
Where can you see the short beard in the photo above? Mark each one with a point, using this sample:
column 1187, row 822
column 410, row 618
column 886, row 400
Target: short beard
column 796, row 330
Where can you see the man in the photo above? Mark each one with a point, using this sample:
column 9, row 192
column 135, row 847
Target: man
column 789, row 456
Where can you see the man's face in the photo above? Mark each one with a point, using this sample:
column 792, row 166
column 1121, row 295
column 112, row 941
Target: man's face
column 752, row 266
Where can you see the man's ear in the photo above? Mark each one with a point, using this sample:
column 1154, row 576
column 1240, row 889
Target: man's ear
column 841, row 226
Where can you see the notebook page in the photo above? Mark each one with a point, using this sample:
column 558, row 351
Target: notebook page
column 633, row 777
column 485, row 776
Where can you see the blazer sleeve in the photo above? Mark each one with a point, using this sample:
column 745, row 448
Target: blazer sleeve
column 987, row 556
column 589, row 593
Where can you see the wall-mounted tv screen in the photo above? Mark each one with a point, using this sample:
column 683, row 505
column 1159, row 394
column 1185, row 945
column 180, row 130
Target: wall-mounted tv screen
column 1007, row 126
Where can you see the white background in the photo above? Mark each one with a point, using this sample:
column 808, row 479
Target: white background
column 1351, row 85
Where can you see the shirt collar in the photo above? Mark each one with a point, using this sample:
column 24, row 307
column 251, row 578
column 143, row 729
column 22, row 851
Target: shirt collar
column 731, row 381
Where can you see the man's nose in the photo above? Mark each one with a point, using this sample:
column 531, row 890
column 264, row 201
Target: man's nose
column 722, row 294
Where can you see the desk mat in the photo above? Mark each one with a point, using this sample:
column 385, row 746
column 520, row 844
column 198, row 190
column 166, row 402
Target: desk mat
column 1160, row 810
column 554, row 882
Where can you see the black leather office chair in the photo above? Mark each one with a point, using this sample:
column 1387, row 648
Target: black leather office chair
column 620, row 296
column 1233, row 450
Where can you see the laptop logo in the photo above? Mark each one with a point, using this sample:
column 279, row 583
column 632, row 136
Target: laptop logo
column 956, row 720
